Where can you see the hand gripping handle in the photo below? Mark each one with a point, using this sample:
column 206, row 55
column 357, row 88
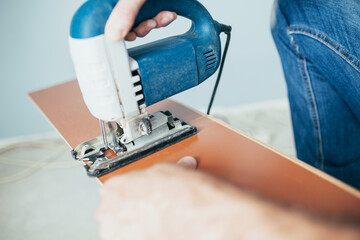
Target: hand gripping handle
column 89, row 21
column 202, row 22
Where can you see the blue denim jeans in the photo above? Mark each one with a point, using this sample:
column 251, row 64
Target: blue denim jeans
column 319, row 46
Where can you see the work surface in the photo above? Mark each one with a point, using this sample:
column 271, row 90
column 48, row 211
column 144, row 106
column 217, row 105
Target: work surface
column 220, row 150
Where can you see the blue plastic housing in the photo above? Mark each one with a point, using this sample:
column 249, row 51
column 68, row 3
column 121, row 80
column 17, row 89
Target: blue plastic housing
column 168, row 66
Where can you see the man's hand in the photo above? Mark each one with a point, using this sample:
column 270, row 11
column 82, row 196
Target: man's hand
column 166, row 201
column 173, row 202
column 122, row 19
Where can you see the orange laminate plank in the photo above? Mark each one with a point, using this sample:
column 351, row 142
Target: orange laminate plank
column 220, row 150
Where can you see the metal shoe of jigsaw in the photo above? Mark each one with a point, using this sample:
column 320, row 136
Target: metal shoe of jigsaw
column 118, row 84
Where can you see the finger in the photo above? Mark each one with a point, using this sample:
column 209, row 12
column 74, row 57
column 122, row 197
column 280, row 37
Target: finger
column 164, row 18
column 131, row 37
column 161, row 20
column 145, row 27
column 188, row 162
column 122, row 18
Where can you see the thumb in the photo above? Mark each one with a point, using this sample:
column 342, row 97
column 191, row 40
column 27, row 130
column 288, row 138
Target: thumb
column 188, row 162
column 122, row 19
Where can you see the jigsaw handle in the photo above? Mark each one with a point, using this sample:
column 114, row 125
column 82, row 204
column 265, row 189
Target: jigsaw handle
column 202, row 23
column 90, row 19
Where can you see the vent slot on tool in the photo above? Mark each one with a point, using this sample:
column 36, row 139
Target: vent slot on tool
column 138, row 90
column 211, row 60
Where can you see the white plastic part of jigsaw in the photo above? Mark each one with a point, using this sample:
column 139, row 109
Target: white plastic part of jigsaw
column 104, row 72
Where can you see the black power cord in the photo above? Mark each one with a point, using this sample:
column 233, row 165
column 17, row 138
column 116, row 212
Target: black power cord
column 227, row 30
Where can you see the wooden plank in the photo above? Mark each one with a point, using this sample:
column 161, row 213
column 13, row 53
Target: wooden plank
column 220, row 150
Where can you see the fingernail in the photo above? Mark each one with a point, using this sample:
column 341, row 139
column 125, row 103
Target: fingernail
column 188, row 162
column 167, row 18
column 152, row 24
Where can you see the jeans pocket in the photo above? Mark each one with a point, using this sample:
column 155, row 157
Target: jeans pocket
column 327, row 41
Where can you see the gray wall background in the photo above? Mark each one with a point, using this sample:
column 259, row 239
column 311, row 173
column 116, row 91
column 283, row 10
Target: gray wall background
column 34, row 54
